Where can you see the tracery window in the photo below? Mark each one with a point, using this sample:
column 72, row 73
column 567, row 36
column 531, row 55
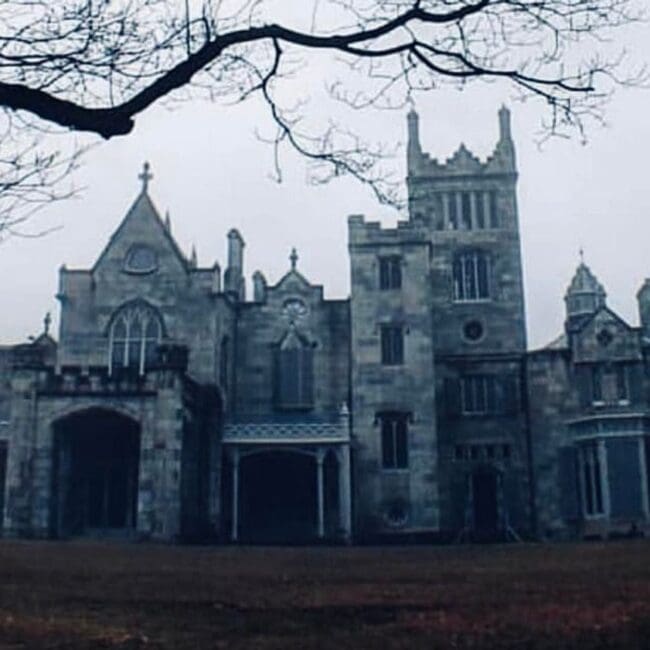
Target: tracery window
column 471, row 277
column 294, row 372
column 134, row 336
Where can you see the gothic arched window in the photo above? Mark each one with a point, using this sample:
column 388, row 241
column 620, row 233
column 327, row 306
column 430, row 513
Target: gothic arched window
column 294, row 372
column 471, row 276
column 134, row 336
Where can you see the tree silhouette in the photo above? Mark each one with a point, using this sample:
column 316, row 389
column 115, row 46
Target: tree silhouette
column 95, row 65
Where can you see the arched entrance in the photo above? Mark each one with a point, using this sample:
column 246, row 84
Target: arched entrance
column 485, row 503
column 95, row 474
column 278, row 499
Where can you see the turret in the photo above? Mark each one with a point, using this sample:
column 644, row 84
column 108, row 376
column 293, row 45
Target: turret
column 584, row 297
column 233, row 278
column 505, row 148
column 643, row 297
column 259, row 287
column 414, row 150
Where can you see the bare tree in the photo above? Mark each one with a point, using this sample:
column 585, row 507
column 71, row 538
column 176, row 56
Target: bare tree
column 95, row 65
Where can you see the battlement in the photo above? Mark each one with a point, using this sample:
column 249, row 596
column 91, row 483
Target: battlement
column 462, row 162
column 364, row 233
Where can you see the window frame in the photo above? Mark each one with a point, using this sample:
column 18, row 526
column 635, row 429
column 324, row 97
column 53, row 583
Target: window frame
column 471, row 277
column 144, row 316
column 591, row 474
column 390, row 272
column 394, row 439
column 391, row 344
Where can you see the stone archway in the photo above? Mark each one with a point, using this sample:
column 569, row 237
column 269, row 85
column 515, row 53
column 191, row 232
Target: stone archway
column 95, row 473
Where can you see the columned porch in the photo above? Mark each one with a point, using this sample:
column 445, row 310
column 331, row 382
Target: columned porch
column 288, row 481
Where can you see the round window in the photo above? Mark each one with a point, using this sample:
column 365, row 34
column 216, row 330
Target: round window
column 473, row 330
column 141, row 259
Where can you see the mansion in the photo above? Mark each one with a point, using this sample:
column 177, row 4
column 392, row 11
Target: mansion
column 173, row 406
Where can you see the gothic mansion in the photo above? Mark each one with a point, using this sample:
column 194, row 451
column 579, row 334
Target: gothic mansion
column 174, row 407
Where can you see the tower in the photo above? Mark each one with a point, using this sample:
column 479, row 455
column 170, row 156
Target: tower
column 479, row 332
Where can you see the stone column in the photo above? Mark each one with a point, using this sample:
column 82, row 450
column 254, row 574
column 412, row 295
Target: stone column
column 604, row 473
column 320, row 459
column 234, row 534
column 345, row 494
column 645, row 502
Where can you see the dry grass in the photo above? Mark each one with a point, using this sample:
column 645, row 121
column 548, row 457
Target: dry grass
column 93, row 595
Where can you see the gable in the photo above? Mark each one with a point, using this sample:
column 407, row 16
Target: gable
column 141, row 244
column 606, row 336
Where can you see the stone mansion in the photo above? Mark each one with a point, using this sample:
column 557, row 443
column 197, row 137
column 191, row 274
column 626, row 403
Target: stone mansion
column 175, row 407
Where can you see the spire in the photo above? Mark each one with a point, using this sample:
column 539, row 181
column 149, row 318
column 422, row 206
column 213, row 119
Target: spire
column 145, row 176
column 293, row 258
column 585, row 295
column 168, row 222
column 413, row 148
column 193, row 260
column 47, row 321
column 505, row 149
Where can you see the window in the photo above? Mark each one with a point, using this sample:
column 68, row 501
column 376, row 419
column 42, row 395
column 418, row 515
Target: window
column 466, row 206
column 390, row 272
column 480, row 210
column 494, row 216
column 470, row 276
column 597, row 384
column 134, row 337
column 478, row 394
column 622, row 385
column 394, row 440
column 392, row 345
column 591, row 480
column 294, row 372
column 141, row 259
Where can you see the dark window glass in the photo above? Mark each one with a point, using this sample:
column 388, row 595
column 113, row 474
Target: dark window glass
column 394, row 440
column 390, row 272
column 478, row 394
column 494, row 215
column 392, row 345
column 466, row 203
column 453, row 210
column 294, row 378
column 480, row 210
column 622, row 390
column 597, row 383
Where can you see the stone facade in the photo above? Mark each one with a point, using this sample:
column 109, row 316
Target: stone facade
column 173, row 407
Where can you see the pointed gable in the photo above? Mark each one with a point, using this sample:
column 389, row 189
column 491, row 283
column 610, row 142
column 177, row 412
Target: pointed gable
column 143, row 227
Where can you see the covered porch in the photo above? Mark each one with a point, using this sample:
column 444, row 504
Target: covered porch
column 287, row 480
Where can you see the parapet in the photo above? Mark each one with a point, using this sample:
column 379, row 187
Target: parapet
column 363, row 233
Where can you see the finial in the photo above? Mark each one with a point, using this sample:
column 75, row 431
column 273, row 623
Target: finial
column 168, row 221
column 582, row 255
column 193, row 256
column 293, row 258
column 47, row 321
column 145, row 176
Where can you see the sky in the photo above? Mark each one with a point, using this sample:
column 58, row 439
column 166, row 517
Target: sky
column 212, row 172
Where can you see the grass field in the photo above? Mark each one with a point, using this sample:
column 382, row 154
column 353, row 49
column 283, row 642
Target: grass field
column 101, row 595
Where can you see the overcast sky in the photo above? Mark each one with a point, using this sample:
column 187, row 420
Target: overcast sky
column 212, row 173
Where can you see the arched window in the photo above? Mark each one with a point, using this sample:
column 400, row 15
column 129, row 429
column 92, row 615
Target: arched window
column 294, row 372
column 134, row 336
column 471, row 273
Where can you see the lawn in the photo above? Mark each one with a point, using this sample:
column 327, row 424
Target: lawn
column 112, row 595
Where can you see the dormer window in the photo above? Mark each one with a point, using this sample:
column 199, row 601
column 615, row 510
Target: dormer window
column 141, row 259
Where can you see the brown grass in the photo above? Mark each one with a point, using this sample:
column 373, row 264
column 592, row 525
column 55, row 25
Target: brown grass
column 101, row 595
